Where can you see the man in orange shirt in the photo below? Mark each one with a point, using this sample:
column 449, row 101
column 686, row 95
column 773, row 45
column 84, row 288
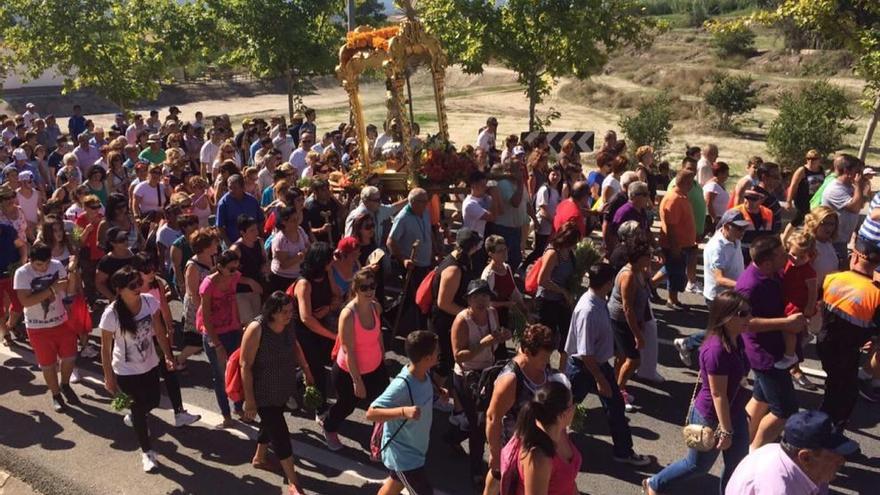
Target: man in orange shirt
column 677, row 233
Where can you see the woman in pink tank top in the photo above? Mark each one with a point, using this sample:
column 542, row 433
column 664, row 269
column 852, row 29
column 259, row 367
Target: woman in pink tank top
column 540, row 455
column 359, row 368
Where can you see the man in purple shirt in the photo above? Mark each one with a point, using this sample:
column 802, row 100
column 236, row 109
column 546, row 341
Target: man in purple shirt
column 86, row 154
column 773, row 398
column 811, row 453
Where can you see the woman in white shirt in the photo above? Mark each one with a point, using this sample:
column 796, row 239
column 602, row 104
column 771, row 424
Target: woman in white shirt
column 715, row 194
column 548, row 198
column 129, row 357
column 152, row 195
column 289, row 246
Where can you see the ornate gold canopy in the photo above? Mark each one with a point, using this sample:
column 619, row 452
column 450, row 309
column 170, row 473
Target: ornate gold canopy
column 398, row 50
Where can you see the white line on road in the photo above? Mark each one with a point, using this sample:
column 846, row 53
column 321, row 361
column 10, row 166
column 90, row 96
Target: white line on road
column 304, row 451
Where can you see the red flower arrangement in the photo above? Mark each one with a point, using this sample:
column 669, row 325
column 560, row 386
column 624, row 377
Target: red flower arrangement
column 440, row 164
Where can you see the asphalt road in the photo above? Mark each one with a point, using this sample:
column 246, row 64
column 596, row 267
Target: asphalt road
column 89, row 450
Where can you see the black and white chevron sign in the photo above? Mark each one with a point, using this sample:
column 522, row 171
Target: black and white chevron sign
column 583, row 140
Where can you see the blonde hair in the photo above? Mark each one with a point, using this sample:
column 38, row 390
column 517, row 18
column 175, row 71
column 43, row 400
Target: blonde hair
column 197, row 181
column 313, row 156
column 815, row 218
column 801, row 240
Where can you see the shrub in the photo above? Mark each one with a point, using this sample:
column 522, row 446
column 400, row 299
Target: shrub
column 650, row 126
column 731, row 96
column 731, row 38
column 817, row 117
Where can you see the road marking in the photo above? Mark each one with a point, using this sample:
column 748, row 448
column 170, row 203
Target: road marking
column 304, row 451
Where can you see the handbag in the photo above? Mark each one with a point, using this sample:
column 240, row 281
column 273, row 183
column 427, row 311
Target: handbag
column 696, row 436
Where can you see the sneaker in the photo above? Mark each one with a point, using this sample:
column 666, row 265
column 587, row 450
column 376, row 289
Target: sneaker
column 226, row 424
column 89, row 352
column 292, row 404
column 75, row 377
column 332, row 440
column 634, row 459
column 127, row 420
column 58, row 403
column 683, row 352
column 69, row 394
column 460, row 420
column 319, row 419
column 442, row 405
column 867, row 391
column 148, row 460
column 628, row 402
column 786, row 362
column 184, row 418
column 805, row 383
column 694, row 288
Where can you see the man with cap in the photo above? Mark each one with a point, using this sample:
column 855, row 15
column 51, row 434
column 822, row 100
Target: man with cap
column 22, row 164
column 805, row 462
column 850, row 318
column 30, row 114
column 86, row 154
column 722, row 264
column 154, row 152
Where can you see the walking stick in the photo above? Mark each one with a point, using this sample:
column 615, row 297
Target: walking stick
column 406, row 280
column 326, row 216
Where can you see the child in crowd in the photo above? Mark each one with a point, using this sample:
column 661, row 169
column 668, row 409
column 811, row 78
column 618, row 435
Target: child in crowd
column 406, row 407
column 799, row 289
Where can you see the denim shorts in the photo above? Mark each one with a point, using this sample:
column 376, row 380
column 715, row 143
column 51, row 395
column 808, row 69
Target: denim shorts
column 774, row 387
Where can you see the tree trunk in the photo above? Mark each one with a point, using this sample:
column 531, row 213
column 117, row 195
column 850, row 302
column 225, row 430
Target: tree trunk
column 869, row 132
column 533, row 101
column 289, row 96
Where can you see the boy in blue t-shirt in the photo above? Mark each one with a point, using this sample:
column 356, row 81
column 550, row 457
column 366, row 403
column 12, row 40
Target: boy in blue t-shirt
column 406, row 407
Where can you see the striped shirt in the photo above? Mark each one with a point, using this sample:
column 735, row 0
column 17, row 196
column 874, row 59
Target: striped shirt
column 870, row 229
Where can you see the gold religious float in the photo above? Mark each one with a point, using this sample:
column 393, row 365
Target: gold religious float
column 398, row 51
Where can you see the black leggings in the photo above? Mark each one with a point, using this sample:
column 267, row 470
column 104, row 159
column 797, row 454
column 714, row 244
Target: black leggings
column 557, row 316
column 477, row 432
column 317, row 352
column 144, row 392
column 280, row 282
column 441, row 324
column 273, row 428
column 375, row 382
column 172, row 384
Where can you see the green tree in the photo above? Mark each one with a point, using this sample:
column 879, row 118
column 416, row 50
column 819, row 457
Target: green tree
column 816, row 117
column 650, row 125
column 370, row 13
column 540, row 40
column 289, row 39
column 731, row 96
column 853, row 24
column 115, row 47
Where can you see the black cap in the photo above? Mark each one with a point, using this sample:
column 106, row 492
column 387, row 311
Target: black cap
column 868, row 249
column 115, row 234
column 478, row 286
column 815, row 430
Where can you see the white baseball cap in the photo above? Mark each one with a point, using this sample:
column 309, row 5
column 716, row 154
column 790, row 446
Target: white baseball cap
column 20, row 154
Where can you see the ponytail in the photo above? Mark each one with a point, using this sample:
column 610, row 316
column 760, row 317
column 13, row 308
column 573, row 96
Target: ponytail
column 546, row 407
column 124, row 316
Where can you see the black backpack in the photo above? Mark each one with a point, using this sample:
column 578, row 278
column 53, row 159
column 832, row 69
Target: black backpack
column 486, row 384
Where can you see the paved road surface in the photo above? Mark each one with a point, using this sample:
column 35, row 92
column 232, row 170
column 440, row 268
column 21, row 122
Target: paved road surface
column 89, row 450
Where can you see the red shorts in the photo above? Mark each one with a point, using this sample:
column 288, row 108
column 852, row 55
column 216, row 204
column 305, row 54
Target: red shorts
column 8, row 297
column 52, row 344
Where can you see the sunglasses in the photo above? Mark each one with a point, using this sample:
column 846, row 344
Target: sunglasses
column 754, row 198
column 367, row 287
column 744, row 312
column 93, row 207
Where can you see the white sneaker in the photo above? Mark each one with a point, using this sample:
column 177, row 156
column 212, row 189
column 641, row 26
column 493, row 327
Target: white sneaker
column 694, row 288
column 75, row 377
column 786, row 362
column 127, row 420
column 683, row 352
column 148, row 460
column 89, row 352
column 442, row 405
column 460, row 420
column 184, row 418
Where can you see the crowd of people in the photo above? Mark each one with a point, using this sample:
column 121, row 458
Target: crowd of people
column 281, row 283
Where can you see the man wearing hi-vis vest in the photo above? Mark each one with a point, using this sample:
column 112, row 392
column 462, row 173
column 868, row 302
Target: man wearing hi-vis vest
column 851, row 316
